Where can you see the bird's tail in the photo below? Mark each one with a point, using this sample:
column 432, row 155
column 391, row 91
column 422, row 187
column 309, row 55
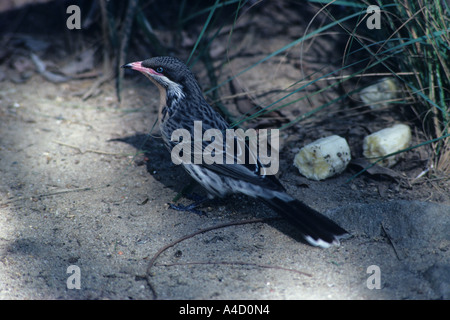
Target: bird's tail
column 315, row 228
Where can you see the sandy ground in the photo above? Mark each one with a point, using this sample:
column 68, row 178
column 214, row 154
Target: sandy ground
column 84, row 184
column 72, row 194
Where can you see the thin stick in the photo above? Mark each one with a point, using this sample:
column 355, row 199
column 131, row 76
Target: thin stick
column 391, row 242
column 88, row 150
column 224, row 225
column 47, row 194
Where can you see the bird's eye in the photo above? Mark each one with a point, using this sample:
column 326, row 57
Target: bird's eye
column 160, row 69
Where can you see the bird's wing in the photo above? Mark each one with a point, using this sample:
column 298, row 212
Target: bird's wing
column 244, row 165
column 238, row 155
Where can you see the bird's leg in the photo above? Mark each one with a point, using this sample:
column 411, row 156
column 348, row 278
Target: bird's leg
column 198, row 200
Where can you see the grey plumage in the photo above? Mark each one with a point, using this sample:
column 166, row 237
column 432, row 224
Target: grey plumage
column 182, row 103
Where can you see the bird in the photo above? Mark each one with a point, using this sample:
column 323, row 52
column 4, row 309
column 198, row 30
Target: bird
column 181, row 104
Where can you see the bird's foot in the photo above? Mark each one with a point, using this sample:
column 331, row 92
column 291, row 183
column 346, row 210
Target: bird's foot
column 198, row 200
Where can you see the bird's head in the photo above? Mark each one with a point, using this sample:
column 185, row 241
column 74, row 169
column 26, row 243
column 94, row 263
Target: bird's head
column 168, row 74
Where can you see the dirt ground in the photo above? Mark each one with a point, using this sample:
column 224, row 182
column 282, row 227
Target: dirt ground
column 84, row 183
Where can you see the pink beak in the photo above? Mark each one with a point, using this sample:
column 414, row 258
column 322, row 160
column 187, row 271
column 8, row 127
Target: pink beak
column 138, row 67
